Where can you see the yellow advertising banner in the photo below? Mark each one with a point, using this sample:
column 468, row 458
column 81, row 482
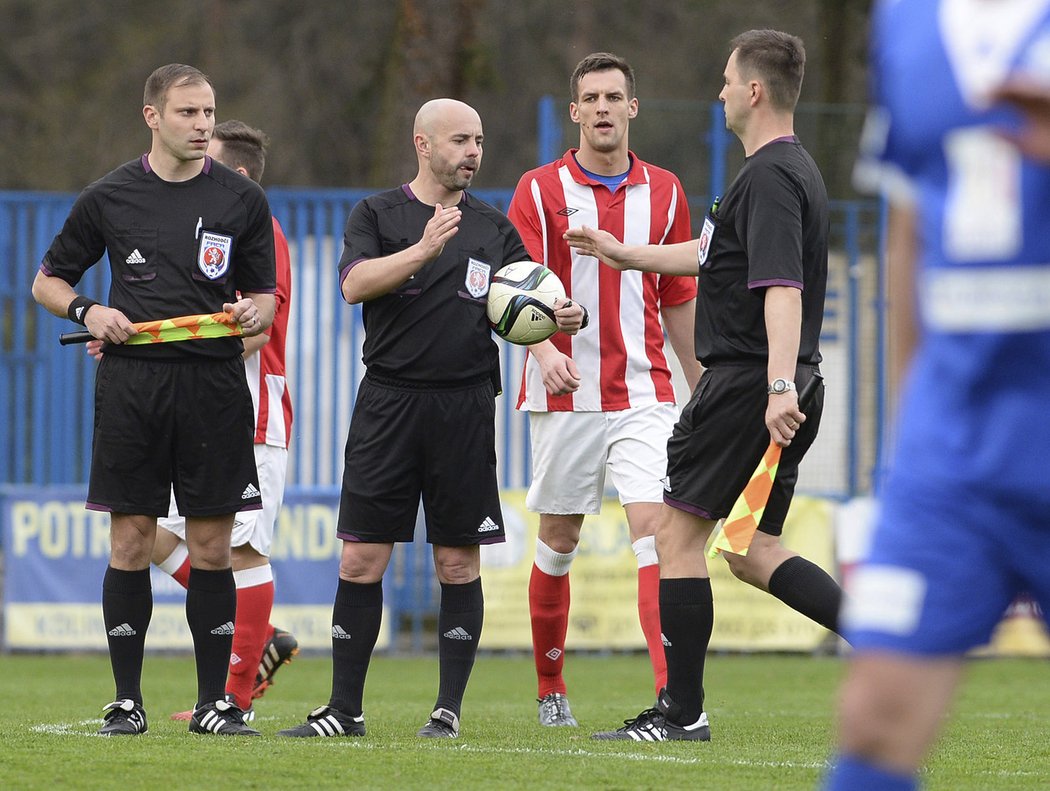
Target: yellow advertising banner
column 604, row 582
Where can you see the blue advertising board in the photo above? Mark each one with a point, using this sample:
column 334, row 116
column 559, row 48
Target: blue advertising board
column 56, row 552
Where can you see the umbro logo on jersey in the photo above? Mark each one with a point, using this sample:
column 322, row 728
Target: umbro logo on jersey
column 124, row 630
column 249, row 492
column 339, row 633
column 667, row 483
column 226, row 628
column 234, row 659
column 135, row 258
column 568, row 211
column 664, row 640
column 488, row 525
column 553, row 654
column 459, row 633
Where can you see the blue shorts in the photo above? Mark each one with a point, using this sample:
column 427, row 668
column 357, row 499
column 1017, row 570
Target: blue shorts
column 944, row 566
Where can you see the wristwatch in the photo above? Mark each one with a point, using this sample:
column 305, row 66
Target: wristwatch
column 780, row 386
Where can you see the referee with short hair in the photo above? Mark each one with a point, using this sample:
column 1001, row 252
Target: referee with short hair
column 762, row 259
column 184, row 235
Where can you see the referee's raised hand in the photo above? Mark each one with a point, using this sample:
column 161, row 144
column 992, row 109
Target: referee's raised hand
column 439, row 229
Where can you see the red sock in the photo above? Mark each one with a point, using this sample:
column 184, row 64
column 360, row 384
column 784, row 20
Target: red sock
column 549, row 608
column 649, row 617
column 182, row 574
column 250, row 629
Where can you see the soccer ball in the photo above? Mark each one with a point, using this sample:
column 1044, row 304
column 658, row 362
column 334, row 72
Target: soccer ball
column 521, row 302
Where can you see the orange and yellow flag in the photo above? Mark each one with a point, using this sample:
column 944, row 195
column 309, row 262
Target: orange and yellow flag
column 184, row 328
column 739, row 527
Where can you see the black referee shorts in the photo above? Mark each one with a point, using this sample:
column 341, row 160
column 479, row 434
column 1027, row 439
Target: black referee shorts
column 163, row 424
column 720, row 438
column 407, row 442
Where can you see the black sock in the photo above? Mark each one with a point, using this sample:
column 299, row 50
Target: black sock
column 356, row 618
column 211, row 609
column 459, row 630
column 687, row 616
column 806, row 587
column 127, row 606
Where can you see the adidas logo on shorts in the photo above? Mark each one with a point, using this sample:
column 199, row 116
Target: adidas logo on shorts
column 124, row 630
column 226, row 628
column 135, row 258
column 488, row 525
column 249, row 492
column 459, row 633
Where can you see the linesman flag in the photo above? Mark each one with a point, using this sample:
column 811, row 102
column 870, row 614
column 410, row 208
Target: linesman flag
column 735, row 532
column 179, row 328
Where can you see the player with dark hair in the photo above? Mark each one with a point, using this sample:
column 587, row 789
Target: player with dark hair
column 420, row 258
column 259, row 648
column 602, row 399
column 763, row 262
column 961, row 527
column 183, row 235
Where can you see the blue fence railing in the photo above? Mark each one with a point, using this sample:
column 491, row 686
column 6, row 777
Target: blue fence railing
column 45, row 389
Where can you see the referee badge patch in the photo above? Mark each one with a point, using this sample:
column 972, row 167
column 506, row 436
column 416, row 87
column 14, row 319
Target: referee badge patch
column 213, row 256
column 477, row 282
column 706, row 236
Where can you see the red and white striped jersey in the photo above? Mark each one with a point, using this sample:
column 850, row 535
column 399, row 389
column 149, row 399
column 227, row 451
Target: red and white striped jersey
column 265, row 370
column 620, row 355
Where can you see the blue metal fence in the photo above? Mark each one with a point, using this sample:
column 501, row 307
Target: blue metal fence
column 46, row 406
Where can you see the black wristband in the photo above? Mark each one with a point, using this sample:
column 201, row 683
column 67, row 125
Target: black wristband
column 78, row 309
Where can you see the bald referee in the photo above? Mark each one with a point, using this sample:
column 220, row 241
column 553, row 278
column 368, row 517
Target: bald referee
column 420, row 258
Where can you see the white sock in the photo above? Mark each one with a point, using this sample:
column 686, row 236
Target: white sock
column 645, row 551
column 556, row 564
column 257, row 575
column 174, row 561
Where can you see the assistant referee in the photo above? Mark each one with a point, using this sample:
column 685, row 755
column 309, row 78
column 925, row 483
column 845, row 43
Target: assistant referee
column 183, row 235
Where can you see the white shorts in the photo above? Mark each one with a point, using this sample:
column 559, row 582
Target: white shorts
column 249, row 527
column 570, row 452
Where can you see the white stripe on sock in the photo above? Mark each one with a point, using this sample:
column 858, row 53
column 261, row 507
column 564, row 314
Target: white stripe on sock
column 556, row 564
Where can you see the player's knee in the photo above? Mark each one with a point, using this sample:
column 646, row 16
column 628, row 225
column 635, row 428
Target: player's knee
column 457, row 565
column 867, row 722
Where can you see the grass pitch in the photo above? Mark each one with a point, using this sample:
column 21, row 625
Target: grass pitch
column 771, row 721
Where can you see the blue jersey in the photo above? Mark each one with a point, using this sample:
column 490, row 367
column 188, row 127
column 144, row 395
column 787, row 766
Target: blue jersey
column 975, row 409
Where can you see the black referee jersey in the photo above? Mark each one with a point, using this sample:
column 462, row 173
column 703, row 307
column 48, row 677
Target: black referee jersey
column 175, row 248
column 771, row 228
column 433, row 327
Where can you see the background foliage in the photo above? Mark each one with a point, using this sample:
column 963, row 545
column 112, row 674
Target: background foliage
column 336, row 82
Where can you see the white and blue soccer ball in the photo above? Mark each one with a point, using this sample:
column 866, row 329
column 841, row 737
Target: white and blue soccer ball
column 521, row 302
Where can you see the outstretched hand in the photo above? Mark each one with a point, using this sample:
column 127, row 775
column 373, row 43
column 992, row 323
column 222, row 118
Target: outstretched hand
column 600, row 244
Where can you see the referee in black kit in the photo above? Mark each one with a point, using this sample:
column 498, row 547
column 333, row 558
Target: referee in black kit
column 762, row 260
column 184, row 235
column 421, row 257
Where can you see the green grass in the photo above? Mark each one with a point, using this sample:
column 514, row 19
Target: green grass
column 771, row 720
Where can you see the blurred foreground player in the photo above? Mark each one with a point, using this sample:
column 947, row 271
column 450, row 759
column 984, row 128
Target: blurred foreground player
column 962, row 526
